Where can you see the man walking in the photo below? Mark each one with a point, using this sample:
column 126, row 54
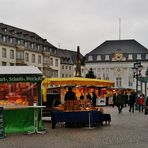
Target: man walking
column 132, row 99
column 120, row 102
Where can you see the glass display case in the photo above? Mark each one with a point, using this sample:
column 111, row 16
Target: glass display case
column 18, row 93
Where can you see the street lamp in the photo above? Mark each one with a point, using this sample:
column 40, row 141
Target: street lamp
column 137, row 68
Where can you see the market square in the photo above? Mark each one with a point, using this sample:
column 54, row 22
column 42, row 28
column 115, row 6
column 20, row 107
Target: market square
column 126, row 130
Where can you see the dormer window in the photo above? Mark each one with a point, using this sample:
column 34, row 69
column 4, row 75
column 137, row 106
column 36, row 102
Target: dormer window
column 146, row 57
column 90, row 58
column 32, row 45
column 130, row 56
column 26, row 44
column 11, row 40
column 98, row 57
column 4, row 38
column 38, row 47
column 106, row 57
column 44, row 48
column 138, row 56
column 19, row 42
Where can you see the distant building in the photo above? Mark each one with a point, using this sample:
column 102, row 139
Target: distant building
column 113, row 60
column 68, row 63
column 22, row 47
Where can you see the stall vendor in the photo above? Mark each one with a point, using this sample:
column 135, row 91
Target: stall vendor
column 70, row 95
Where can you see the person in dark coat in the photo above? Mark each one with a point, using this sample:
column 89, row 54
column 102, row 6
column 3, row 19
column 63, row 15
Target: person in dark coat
column 81, row 97
column 120, row 102
column 94, row 97
column 114, row 99
column 88, row 97
column 70, row 95
column 132, row 100
column 125, row 99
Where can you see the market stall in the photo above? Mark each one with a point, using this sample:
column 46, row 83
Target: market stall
column 71, row 110
column 20, row 96
column 74, row 81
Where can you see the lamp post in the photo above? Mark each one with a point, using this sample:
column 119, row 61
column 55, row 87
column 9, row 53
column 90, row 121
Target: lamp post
column 137, row 67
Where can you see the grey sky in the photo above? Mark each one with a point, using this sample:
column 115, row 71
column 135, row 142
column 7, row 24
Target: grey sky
column 84, row 23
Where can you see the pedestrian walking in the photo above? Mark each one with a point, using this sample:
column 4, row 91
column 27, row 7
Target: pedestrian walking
column 125, row 99
column 132, row 99
column 114, row 99
column 120, row 102
column 141, row 102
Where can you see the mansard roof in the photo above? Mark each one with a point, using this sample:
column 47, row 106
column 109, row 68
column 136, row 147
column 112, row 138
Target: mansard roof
column 23, row 34
column 126, row 46
column 117, row 50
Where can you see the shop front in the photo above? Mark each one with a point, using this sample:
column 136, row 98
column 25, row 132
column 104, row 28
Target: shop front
column 20, row 93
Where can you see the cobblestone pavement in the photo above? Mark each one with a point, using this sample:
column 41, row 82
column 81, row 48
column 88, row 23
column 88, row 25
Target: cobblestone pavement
column 127, row 130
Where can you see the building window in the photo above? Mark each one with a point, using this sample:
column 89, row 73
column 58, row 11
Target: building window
column 130, row 79
column 27, row 57
column 32, row 45
column 69, row 67
column 11, row 40
column 38, row 47
column 56, row 63
column 118, row 82
column 11, row 54
column 33, row 58
column 26, row 44
column 62, row 75
column 39, row 59
column 20, row 55
column 146, row 57
column 51, row 61
column 18, row 42
column 4, row 38
column 4, row 63
column 62, row 66
column 106, row 57
column 46, row 59
column 138, row 56
column 98, row 57
column 130, row 56
column 11, row 64
column 65, row 67
column 90, row 58
column 4, row 53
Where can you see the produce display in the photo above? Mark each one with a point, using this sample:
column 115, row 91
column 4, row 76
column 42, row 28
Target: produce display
column 18, row 94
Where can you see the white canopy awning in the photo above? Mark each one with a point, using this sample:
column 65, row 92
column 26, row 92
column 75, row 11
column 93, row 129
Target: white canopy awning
column 5, row 70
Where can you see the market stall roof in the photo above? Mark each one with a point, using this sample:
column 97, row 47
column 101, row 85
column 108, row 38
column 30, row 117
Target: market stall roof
column 16, row 70
column 77, row 81
column 73, row 81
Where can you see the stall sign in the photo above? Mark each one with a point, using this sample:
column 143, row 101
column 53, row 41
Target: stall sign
column 20, row 79
column 101, row 101
column 2, row 122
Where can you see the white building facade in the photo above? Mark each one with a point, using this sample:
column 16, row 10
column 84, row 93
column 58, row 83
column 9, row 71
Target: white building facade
column 113, row 60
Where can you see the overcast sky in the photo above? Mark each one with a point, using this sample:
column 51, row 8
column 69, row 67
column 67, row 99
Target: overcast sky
column 84, row 23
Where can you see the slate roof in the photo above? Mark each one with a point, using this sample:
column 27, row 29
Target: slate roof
column 68, row 56
column 23, row 34
column 127, row 46
column 110, row 47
